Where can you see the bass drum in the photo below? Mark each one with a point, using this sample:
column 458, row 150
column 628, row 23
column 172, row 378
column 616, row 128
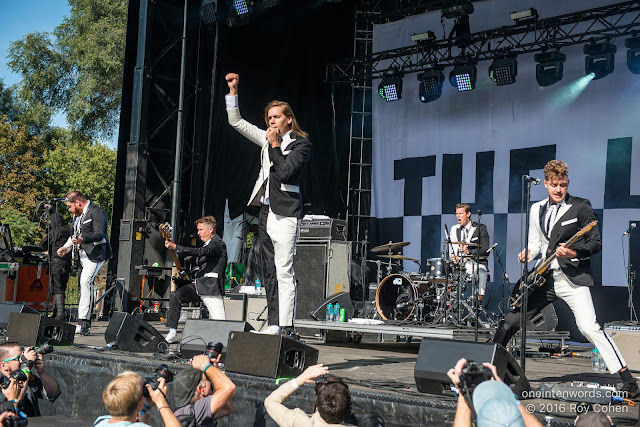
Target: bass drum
column 396, row 297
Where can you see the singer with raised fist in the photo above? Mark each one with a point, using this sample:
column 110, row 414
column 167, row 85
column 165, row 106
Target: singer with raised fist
column 284, row 152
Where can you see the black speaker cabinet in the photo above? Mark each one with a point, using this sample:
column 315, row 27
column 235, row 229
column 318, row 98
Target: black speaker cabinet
column 197, row 333
column 271, row 356
column 31, row 330
column 7, row 309
column 436, row 357
column 130, row 333
column 342, row 298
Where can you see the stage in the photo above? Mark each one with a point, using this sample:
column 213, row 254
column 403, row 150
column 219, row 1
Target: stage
column 380, row 375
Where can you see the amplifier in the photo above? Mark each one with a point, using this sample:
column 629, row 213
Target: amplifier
column 626, row 335
column 323, row 229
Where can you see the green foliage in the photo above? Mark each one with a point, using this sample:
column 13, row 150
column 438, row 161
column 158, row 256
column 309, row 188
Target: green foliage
column 23, row 230
column 77, row 69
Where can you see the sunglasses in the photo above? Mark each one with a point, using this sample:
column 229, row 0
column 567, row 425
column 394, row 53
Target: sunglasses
column 12, row 358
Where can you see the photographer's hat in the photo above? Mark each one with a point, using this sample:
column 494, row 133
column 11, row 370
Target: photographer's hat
column 184, row 386
column 496, row 405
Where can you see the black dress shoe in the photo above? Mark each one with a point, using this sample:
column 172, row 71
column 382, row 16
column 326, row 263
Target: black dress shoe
column 289, row 332
column 629, row 390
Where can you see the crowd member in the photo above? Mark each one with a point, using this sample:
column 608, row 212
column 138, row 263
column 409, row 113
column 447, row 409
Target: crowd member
column 124, row 399
column 493, row 402
column 285, row 150
column 39, row 386
column 203, row 393
column 208, row 284
column 57, row 236
column 333, row 400
column 93, row 248
column 593, row 418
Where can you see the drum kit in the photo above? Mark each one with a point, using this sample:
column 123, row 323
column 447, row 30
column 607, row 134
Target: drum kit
column 434, row 297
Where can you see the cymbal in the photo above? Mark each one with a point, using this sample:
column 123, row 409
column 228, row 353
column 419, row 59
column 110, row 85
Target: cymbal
column 398, row 256
column 390, row 246
column 471, row 245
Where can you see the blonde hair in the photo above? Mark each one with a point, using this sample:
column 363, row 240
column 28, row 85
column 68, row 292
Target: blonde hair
column 287, row 111
column 122, row 394
column 555, row 169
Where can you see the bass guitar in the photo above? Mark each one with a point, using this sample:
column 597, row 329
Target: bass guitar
column 75, row 254
column 535, row 279
column 182, row 276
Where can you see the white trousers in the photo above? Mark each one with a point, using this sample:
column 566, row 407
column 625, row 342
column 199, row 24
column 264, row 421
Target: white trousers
column 470, row 268
column 578, row 298
column 283, row 232
column 88, row 273
column 215, row 306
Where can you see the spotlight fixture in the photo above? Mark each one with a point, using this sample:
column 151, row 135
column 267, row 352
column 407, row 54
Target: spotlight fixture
column 430, row 85
column 239, row 12
column 458, row 10
column 463, row 77
column 633, row 54
column 549, row 67
column 503, row 71
column 600, row 59
column 390, row 88
column 209, row 11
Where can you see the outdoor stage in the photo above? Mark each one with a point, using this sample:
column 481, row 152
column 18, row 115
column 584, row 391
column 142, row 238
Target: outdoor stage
column 380, row 375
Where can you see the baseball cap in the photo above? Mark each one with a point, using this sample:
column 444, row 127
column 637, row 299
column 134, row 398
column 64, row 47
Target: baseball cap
column 496, row 405
column 184, row 385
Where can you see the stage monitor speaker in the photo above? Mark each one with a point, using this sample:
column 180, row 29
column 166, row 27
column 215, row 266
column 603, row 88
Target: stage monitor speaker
column 626, row 335
column 32, row 330
column 130, row 333
column 7, row 309
column 436, row 357
column 342, row 298
column 198, row 333
column 546, row 320
column 271, row 356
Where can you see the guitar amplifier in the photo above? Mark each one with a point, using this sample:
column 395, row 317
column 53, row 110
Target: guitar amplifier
column 626, row 335
column 323, row 229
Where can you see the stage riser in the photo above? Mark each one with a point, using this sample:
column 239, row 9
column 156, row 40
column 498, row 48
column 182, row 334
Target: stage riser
column 83, row 376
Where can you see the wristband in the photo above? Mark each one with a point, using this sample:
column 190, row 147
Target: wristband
column 16, row 401
column 204, row 368
column 164, row 407
column 294, row 384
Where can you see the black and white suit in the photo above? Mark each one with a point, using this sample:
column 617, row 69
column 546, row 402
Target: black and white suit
column 568, row 278
column 208, row 284
column 480, row 236
column 94, row 250
column 277, row 190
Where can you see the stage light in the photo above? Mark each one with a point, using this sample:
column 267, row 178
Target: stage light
column 549, row 67
column 458, row 10
column 209, row 11
column 503, row 71
column 390, row 88
column 239, row 12
column 270, row 3
column 633, row 54
column 430, row 85
column 463, row 77
column 600, row 59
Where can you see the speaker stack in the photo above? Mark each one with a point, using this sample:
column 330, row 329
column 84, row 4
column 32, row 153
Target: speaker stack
column 131, row 333
column 32, row 330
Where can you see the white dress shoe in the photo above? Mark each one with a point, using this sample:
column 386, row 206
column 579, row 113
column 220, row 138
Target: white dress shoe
column 269, row 330
column 171, row 338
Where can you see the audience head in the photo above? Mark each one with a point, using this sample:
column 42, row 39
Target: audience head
column 592, row 418
column 190, row 385
column 333, row 399
column 123, row 395
column 496, row 405
column 10, row 353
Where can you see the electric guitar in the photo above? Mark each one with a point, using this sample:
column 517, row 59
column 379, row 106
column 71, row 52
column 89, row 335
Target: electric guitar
column 535, row 279
column 183, row 276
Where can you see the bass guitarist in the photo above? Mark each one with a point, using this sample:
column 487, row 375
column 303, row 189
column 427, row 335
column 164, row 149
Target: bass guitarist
column 553, row 221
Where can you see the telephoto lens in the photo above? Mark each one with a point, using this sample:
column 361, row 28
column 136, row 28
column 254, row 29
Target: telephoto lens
column 45, row 348
column 162, row 371
column 214, row 350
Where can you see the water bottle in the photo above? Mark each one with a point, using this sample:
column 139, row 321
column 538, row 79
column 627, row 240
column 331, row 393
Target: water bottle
column 329, row 315
column 258, row 287
column 603, row 364
column 595, row 360
column 336, row 312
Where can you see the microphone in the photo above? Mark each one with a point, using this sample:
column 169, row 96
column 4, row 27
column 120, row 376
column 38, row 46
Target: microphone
column 59, row 199
column 492, row 248
column 631, row 227
column 536, row 181
column 479, row 212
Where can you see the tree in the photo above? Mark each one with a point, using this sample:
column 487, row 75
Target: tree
column 77, row 69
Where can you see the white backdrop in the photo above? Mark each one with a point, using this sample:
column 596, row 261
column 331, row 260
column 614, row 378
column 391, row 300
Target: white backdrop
column 577, row 124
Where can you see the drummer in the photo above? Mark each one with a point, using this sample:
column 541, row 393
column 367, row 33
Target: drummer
column 478, row 238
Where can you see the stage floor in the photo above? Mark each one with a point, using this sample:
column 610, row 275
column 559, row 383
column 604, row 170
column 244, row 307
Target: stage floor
column 384, row 372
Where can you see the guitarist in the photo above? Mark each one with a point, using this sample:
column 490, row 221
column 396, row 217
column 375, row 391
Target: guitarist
column 553, row 221
column 208, row 284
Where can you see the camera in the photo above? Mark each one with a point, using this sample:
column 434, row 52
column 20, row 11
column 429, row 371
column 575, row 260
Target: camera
column 14, row 421
column 19, row 375
column 213, row 350
column 472, row 375
column 162, row 371
column 45, row 348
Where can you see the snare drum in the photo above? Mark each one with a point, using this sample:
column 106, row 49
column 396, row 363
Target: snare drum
column 395, row 298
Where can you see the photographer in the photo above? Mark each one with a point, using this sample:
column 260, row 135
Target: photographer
column 203, row 393
column 333, row 400
column 493, row 401
column 39, row 386
column 128, row 406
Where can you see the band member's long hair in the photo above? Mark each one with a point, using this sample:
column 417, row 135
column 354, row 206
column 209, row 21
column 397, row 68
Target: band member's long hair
column 287, row 111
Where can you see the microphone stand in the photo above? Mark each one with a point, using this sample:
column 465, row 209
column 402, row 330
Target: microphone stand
column 525, row 273
column 445, row 264
column 505, row 280
column 475, row 280
column 631, row 275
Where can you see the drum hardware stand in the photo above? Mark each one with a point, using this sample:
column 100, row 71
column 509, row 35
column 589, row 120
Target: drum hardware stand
column 476, row 279
column 505, row 282
column 363, row 268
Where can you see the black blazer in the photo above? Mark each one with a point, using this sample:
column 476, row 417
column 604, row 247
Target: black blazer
column 211, row 260
column 578, row 270
column 93, row 229
column 480, row 235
